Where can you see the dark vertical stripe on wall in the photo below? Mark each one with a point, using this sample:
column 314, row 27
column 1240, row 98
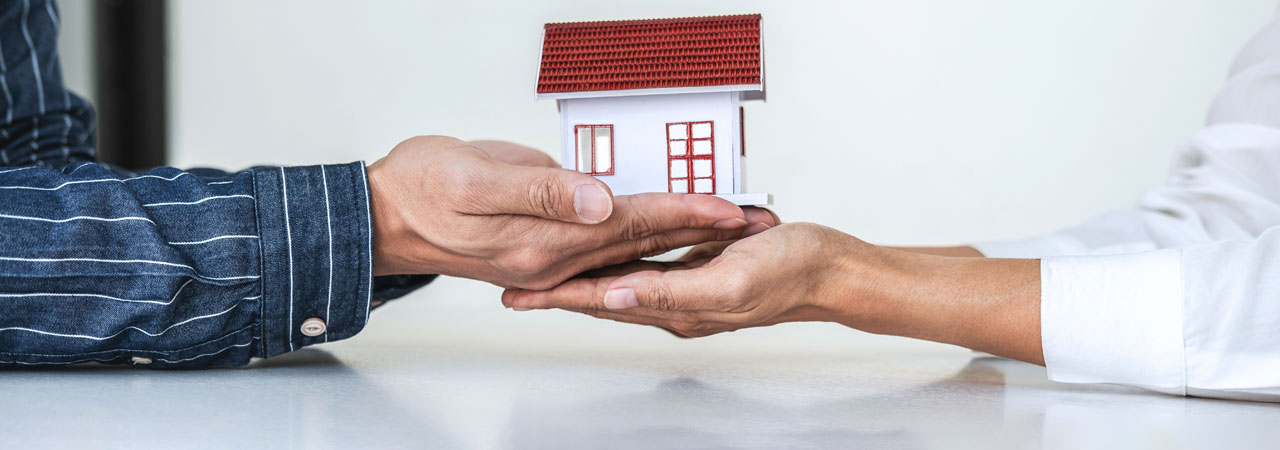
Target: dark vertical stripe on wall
column 130, row 48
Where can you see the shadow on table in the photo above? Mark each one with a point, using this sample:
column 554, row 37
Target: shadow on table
column 974, row 408
column 305, row 399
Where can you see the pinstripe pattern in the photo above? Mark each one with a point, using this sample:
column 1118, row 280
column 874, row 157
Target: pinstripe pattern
column 288, row 236
column 328, row 224
column 188, row 268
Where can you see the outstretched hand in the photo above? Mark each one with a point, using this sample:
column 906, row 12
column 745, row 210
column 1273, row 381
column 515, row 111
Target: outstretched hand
column 776, row 276
column 806, row 272
column 506, row 214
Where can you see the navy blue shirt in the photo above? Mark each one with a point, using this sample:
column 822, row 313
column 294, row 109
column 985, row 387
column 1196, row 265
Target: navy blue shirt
column 167, row 268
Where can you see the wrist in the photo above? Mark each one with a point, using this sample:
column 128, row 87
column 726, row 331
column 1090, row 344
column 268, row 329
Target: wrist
column 991, row 305
column 870, row 288
column 392, row 235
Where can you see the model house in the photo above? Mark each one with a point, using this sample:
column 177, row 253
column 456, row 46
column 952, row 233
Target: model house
column 655, row 105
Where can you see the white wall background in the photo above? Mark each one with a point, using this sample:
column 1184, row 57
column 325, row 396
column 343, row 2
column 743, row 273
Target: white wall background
column 900, row 121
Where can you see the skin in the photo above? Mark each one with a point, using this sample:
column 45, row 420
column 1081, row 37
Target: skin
column 509, row 215
column 806, row 272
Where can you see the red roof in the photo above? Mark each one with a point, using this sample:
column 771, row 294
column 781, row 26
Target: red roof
column 654, row 53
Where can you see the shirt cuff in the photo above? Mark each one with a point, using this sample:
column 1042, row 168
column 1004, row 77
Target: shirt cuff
column 1114, row 319
column 315, row 226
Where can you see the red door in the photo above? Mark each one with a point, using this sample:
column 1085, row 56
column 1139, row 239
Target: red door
column 691, row 164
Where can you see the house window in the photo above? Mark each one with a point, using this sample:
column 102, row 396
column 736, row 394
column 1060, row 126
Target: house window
column 595, row 149
column 691, row 165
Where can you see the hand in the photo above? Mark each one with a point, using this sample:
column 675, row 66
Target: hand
column 498, row 212
column 806, row 272
column 515, row 154
column 780, row 275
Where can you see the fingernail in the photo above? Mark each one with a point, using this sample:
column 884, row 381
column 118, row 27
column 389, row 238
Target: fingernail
column 729, row 224
column 620, row 298
column 519, row 308
column 755, row 229
column 592, row 203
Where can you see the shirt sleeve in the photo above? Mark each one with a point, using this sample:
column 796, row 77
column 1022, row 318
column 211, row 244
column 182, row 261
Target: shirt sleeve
column 1222, row 186
column 173, row 269
column 167, row 268
column 1200, row 320
column 1180, row 294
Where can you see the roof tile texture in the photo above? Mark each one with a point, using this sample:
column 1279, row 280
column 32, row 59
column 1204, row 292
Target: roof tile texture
column 654, row 53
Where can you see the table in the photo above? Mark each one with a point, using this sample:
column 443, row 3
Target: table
column 449, row 368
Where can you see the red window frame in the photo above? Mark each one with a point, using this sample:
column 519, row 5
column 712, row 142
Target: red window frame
column 577, row 152
column 742, row 130
column 689, row 157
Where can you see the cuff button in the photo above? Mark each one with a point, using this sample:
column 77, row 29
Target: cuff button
column 313, row 327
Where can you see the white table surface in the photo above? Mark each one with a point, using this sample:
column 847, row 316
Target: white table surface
column 449, row 368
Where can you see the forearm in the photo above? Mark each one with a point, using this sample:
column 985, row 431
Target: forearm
column 963, row 250
column 992, row 305
column 178, row 268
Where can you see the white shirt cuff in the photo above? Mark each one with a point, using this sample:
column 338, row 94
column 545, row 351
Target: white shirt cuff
column 1114, row 319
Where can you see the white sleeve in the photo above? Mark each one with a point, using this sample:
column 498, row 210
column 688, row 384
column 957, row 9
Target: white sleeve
column 1202, row 320
column 1198, row 310
column 1224, row 185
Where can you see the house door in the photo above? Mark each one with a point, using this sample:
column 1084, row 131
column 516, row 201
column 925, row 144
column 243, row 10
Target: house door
column 691, row 164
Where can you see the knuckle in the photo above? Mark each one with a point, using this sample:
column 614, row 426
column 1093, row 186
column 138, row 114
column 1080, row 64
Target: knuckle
column 662, row 298
column 654, row 245
column 544, row 197
column 734, row 287
column 808, row 231
column 638, row 226
column 526, row 263
column 465, row 185
column 597, row 289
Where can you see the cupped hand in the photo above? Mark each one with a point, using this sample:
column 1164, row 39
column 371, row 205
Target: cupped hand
column 503, row 213
column 783, row 274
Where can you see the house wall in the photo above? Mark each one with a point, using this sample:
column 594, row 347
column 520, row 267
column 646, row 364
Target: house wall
column 640, row 136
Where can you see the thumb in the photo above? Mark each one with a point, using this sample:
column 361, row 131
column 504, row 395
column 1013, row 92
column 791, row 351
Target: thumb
column 674, row 290
column 550, row 193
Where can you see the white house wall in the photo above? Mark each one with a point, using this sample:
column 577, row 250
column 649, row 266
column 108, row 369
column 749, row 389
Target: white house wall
column 640, row 135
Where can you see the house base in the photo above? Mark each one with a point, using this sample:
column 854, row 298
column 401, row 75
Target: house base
column 755, row 199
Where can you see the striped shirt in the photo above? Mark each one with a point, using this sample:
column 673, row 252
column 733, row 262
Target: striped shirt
column 169, row 268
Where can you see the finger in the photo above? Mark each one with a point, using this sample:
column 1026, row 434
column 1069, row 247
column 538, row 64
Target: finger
column 513, row 153
column 588, row 294
column 756, row 215
column 638, row 249
column 618, row 270
column 641, row 215
column 705, row 251
column 577, row 293
column 700, row 289
column 544, row 192
column 580, row 294
column 638, row 216
column 534, row 298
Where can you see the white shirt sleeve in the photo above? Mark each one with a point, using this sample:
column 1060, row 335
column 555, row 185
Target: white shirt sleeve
column 1181, row 293
column 1225, row 184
